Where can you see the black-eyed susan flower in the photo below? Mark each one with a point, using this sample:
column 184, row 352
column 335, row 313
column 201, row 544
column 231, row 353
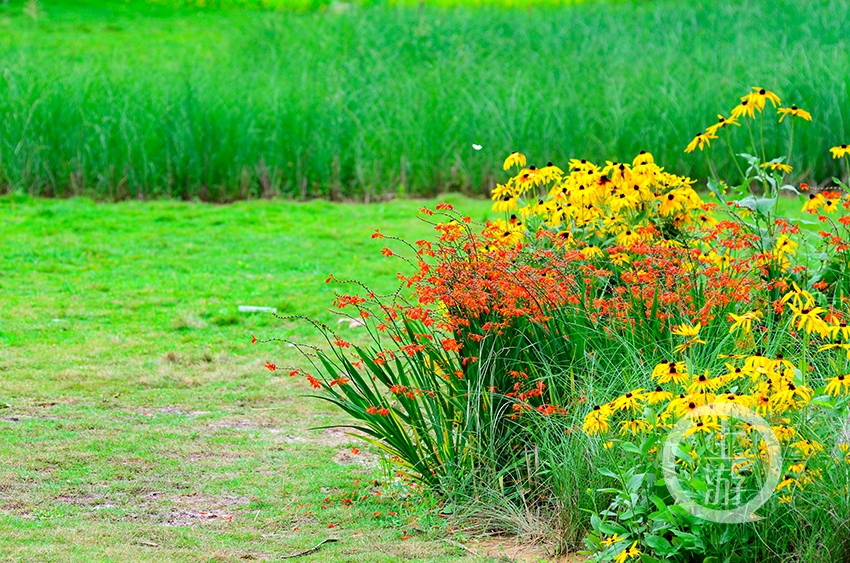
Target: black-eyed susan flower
column 706, row 426
column 759, row 96
column 808, row 319
column 830, row 205
column 628, row 237
column 671, row 372
column 840, row 327
column 642, row 159
column 793, row 111
column 704, row 383
column 814, row 203
column 631, row 552
column 786, row 168
column 744, row 108
column 514, row 159
column 788, row 482
column 838, row 385
column 690, row 331
column 840, row 151
column 634, row 426
column 609, row 541
column 806, row 449
column 700, row 140
column 632, row 401
column 744, row 322
column 721, row 123
column 706, row 221
column 596, row 421
column 784, row 245
column 784, row 433
column 591, row 252
column 798, row 297
column 658, row 395
column 506, row 203
column 671, row 203
column 761, row 402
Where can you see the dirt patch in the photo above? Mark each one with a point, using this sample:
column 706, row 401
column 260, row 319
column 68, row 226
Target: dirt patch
column 188, row 510
column 238, row 424
column 509, row 549
column 357, row 457
column 89, row 500
column 338, row 437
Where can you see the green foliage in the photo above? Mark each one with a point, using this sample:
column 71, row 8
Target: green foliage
column 146, row 100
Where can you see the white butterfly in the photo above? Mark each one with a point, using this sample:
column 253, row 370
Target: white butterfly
column 476, row 147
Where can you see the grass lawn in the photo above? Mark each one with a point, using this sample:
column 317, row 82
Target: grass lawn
column 148, row 99
column 138, row 422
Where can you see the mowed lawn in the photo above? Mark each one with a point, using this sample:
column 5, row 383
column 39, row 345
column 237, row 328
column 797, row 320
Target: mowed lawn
column 138, row 422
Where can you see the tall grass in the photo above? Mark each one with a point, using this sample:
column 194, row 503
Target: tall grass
column 142, row 100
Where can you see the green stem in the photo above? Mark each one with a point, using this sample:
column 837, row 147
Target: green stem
column 711, row 169
column 744, row 179
column 755, row 153
column 763, row 153
column 804, row 359
column 790, row 150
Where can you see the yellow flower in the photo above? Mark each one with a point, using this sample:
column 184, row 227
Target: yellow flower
column 839, row 385
column 630, row 401
column 620, row 258
column 700, row 140
column 507, row 233
column 628, row 237
column 505, row 203
column 688, row 331
column 514, row 159
column 815, row 202
column 703, row 383
column 608, row 542
column 759, row 96
column 830, row 205
column 721, row 122
column 745, row 321
column 778, row 166
column 744, row 108
column 806, row 447
column 596, row 420
column 667, row 372
column 795, row 112
column 643, row 159
column 840, row 150
column 630, row 552
column 799, row 297
column 784, row 245
column 706, row 221
column 658, row 396
column 634, row 426
column 590, row 252
column 784, row 433
column 808, row 319
column 707, row 426
column 787, row 483
column 840, row 327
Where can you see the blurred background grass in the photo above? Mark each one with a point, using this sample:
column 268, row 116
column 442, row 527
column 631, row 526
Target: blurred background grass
column 229, row 99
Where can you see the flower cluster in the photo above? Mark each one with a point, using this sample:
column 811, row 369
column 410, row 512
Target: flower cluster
column 596, row 206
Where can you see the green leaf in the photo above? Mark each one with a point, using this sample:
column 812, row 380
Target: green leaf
column 659, row 544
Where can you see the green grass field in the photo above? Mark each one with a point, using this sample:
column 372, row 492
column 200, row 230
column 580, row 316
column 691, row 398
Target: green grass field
column 137, row 417
column 143, row 100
